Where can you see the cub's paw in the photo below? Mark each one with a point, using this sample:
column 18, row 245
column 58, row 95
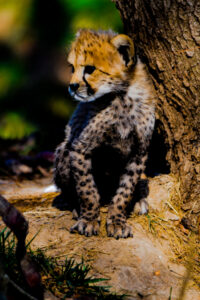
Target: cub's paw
column 88, row 228
column 141, row 207
column 117, row 230
column 144, row 207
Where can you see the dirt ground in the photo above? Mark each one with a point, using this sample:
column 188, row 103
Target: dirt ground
column 162, row 255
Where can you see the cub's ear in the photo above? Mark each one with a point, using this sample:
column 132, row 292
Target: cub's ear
column 125, row 46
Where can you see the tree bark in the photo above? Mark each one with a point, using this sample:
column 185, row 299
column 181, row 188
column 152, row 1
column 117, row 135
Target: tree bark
column 167, row 35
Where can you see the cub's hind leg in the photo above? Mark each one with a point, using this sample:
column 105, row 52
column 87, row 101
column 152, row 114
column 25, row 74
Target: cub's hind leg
column 62, row 163
column 63, row 179
column 61, row 166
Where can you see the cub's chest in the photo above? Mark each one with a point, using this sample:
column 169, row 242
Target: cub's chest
column 124, row 121
column 113, row 138
column 124, row 127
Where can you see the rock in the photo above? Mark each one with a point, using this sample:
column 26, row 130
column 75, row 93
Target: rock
column 160, row 188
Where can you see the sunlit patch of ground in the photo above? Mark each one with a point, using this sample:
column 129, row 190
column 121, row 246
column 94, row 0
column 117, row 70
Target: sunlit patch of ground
column 162, row 255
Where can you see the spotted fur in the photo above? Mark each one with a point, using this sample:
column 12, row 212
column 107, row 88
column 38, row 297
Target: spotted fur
column 116, row 110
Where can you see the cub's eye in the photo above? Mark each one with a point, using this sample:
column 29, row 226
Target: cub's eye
column 89, row 69
column 72, row 68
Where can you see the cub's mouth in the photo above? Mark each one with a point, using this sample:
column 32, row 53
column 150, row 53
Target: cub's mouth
column 87, row 93
column 87, row 96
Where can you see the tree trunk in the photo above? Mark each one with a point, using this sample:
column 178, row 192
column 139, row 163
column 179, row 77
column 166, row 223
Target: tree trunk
column 167, row 34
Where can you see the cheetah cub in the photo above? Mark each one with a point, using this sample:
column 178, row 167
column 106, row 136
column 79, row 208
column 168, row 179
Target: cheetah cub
column 115, row 112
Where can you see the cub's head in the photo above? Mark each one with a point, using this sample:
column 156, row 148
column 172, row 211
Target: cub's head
column 101, row 62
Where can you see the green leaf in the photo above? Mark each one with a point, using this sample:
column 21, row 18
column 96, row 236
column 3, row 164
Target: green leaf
column 10, row 77
column 15, row 126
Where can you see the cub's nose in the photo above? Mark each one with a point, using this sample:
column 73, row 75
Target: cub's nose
column 73, row 87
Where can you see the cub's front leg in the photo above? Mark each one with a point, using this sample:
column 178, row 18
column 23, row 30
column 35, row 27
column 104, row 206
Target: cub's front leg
column 89, row 220
column 116, row 220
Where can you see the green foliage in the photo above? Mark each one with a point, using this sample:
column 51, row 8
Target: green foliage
column 69, row 278
column 10, row 78
column 99, row 14
column 170, row 294
column 15, row 126
column 150, row 223
column 61, row 108
column 63, row 279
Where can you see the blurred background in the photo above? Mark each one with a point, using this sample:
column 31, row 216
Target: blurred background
column 34, row 103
